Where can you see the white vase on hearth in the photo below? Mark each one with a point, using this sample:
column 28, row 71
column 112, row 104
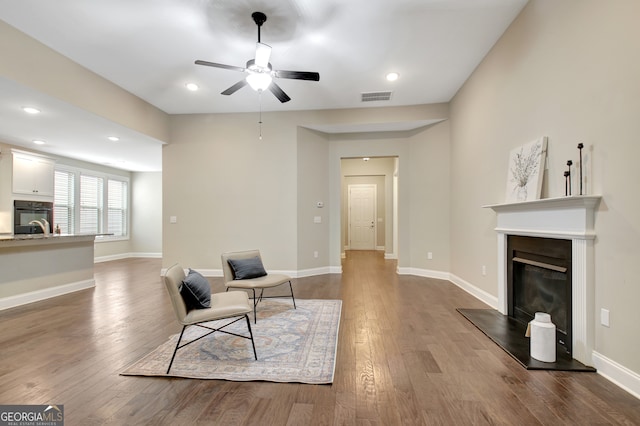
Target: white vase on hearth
column 543, row 338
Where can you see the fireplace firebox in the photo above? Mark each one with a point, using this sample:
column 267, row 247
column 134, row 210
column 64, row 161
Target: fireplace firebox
column 539, row 280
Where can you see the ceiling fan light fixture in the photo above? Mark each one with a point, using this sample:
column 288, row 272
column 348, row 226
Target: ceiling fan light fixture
column 30, row 110
column 263, row 53
column 259, row 81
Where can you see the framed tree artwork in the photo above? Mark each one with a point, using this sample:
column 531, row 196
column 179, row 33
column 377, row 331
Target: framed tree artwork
column 524, row 179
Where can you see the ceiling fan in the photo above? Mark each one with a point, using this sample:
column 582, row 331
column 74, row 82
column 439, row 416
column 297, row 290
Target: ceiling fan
column 259, row 72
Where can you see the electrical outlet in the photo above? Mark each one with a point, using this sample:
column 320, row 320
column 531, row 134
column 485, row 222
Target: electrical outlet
column 315, row 254
column 604, row 317
column 173, row 219
column 429, row 255
column 484, row 271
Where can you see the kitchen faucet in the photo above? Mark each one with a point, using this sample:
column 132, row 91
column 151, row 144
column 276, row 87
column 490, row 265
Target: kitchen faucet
column 43, row 224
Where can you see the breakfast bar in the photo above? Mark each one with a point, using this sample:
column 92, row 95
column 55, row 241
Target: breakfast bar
column 35, row 266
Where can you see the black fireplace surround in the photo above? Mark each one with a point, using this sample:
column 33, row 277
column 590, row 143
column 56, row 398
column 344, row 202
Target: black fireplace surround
column 539, row 280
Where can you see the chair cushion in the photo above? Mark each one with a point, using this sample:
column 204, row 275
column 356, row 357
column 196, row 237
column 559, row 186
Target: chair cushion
column 195, row 291
column 244, row 269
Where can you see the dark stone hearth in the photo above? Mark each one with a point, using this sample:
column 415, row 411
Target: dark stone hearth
column 508, row 333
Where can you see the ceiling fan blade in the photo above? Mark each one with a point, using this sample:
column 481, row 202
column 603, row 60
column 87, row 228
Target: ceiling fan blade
column 279, row 93
column 213, row 64
column 233, row 89
column 298, row 75
column 263, row 53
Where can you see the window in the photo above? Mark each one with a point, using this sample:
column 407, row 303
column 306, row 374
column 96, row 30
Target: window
column 88, row 202
column 91, row 202
column 117, row 212
column 63, row 203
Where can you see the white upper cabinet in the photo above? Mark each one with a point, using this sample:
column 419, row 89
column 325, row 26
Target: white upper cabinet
column 33, row 175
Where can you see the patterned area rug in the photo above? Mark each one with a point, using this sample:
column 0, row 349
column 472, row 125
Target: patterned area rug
column 293, row 345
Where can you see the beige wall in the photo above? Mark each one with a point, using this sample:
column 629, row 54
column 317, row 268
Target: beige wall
column 231, row 191
column 313, row 187
column 63, row 79
column 567, row 70
column 146, row 213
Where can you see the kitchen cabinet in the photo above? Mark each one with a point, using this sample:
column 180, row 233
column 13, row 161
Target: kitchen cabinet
column 33, row 175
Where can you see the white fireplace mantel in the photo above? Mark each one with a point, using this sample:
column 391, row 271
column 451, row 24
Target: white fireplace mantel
column 561, row 218
column 566, row 217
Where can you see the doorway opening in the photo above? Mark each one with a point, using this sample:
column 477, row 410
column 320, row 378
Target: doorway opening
column 368, row 213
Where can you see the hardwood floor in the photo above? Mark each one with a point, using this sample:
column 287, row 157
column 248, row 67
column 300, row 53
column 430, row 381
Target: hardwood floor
column 405, row 356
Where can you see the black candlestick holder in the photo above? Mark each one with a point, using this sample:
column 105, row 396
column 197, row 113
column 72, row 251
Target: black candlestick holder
column 568, row 175
column 580, row 146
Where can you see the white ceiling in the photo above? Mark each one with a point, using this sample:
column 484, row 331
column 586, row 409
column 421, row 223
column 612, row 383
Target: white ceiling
column 148, row 47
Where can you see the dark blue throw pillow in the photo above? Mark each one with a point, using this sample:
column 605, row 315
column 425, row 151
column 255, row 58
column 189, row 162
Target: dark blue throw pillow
column 195, row 291
column 244, row 269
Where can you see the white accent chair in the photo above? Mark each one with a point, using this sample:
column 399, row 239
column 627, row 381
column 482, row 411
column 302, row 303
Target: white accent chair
column 232, row 304
column 261, row 283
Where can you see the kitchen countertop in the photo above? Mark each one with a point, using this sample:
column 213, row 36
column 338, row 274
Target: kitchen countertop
column 8, row 240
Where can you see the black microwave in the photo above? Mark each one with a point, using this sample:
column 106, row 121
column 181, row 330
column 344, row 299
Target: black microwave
column 26, row 213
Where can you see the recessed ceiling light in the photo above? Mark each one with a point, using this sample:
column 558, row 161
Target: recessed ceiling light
column 192, row 86
column 39, row 142
column 30, row 110
column 392, row 76
column 366, row 159
column 113, row 138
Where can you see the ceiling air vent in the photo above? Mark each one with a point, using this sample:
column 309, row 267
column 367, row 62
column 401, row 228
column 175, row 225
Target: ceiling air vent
column 376, row 96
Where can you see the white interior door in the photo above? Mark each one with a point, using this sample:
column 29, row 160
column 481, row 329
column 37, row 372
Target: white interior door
column 362, row 217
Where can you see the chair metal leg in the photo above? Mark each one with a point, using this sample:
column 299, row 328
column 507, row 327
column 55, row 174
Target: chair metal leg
column 255, row 303
column 251, row 334
column 292, row 298
column 258, row 299
column 177, row 347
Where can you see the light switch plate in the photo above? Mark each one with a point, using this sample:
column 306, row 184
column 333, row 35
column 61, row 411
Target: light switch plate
column 604, row 317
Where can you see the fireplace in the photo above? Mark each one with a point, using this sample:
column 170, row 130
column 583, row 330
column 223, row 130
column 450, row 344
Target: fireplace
column 539, row 280
column 567, row 218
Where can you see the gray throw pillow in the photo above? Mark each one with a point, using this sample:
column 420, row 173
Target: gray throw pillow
column 244, row 269
column 196, row 291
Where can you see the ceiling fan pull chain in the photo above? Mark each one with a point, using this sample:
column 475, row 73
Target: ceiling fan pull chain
column 260, row 117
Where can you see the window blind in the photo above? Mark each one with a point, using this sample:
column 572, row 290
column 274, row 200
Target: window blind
column 91, row 204
column 63, row 202
column 117, row 207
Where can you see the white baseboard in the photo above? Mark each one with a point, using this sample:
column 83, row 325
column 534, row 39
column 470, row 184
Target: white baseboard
column 146, row 255
column 427, row 273
column 293, row 274
column 480, row 294
column 121, row 256
column 335, row 269
column 35, row 296
column 312, row 272
column 617, row 374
